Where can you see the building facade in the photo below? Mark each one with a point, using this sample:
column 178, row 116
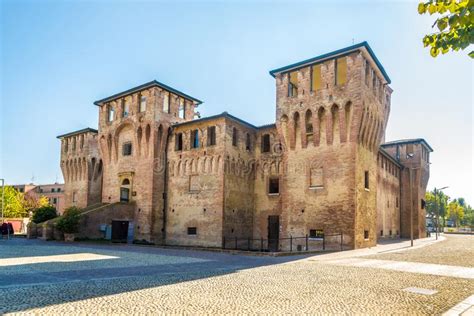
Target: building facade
column 323, row 167
column 54, row 192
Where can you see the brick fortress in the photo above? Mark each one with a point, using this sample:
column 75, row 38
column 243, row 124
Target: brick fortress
column 324, row 167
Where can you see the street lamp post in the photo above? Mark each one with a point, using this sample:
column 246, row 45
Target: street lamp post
column 411, row 206
column 3, row 197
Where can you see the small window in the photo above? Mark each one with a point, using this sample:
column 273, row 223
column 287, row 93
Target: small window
column 366, row 180
column 316, row 77
column 274, row 186
column 182, row 109
column 211, row 136
column 195, row 139
column 58, row 190
column 74, row 197
column 366, row 234
column 55, row 200
column 423, row 204
column 410, row 150
column 248, row 142
column 178, row 142
column 235, row 136
column 192, row 231
column 127, row 149
column 111, row 113
column 293, row 84
column 125, row 108
column 367, row 73
column 341, row 71
column 266, row 143
column 316, row 233
column 396, row 202
column 166, row 102
column 52, row 190
column 142, row 104
column 381, row 233
column 390, row 232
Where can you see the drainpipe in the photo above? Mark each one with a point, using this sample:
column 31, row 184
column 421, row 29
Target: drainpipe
column 165, row 185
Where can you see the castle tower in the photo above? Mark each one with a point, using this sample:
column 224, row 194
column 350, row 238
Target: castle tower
column 81, row 166
column 133, row 137
column 414, row 155
column 331, row 114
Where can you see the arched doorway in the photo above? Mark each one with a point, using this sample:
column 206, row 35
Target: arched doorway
column 125, row 191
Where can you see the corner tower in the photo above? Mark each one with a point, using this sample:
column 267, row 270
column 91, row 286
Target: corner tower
column 133, row 136
column 331, row 114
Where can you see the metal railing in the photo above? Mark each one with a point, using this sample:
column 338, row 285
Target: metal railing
column 329, row 242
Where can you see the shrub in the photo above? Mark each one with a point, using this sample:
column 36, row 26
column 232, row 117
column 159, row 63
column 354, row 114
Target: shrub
column 69, row 222
column 43, row 214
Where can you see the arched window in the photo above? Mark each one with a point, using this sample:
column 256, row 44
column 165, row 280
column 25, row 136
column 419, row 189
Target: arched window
column 309, row 126
column 126, row 182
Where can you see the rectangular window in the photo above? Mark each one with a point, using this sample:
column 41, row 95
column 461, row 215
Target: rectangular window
column 111, row 113
column 341, row 71
column 266, row 143
column 166, row 102
column 192, row 231
column 182, row 109
column 423, row 204
column 316, row 233
column 293, row 84
column 52, row 190
column 235, row 136
column 396, row 202
column 195, row 139
column 211, row 136
column 366, row 180
column 366, row 234
column 142, row 104
column 274, row 186
column 248, row 142
column 316, row 177
column 367, row 73
column 55, row 200
column 316, row 77
column 125, row 108
column 127, row 149
column 178, row 142
column 74, row 197
column 374, row 79
column 410, row 150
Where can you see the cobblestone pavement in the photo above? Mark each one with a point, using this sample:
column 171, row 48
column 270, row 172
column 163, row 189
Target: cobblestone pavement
column 163, row 281
column 456, row 250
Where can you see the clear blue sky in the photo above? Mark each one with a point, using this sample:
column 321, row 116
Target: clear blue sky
column 57, row 57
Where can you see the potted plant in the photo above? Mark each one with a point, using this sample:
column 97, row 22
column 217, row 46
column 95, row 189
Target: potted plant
column 69, row 223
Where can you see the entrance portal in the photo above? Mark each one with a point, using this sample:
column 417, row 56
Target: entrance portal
column 273, row 232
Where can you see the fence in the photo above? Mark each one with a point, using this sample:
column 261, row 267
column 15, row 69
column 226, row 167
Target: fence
column 331, row 242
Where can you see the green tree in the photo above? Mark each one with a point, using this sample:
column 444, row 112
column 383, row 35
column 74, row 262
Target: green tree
column 454, row 25
column 455, row 212
column 468, row 219
column 69, row 222
column 14, row 207
column 43, row 214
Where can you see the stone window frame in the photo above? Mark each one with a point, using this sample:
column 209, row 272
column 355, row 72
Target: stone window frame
column 191, row 231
